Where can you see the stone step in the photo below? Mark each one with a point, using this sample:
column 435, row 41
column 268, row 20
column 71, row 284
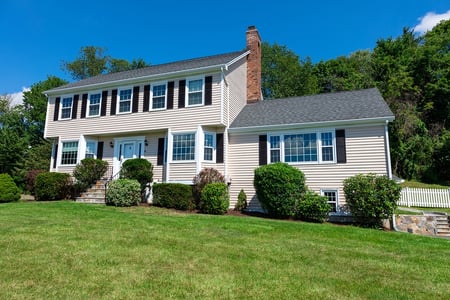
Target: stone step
column 90, row 200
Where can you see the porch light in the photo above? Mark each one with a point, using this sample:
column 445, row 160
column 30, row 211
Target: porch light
column 146, row 143
column 111, row 144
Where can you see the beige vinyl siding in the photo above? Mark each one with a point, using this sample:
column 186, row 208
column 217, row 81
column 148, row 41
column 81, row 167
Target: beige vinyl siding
column 182, row 171
column 237, row 81
column 365, row 148
column 176, row 118
column 243, row 159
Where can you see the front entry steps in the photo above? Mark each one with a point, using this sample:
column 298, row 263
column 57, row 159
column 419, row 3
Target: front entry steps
column 95, row 194
column 443, row 226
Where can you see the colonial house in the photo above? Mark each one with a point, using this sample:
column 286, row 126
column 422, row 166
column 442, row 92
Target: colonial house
column 209, row 112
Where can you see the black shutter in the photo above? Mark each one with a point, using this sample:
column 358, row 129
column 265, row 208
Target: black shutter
column 160, row 158
column 135, row 99
column 170, row 87
column 56, row 112
column 113, row 102
column 181, row 93
column 262, row 150
column 100, row 150
column 84, row 98
column 341, row 152
column 146, row 98
column 75, row 106
column 219, row 148
column 104, row 103
column 208, row 90
column 55, row 156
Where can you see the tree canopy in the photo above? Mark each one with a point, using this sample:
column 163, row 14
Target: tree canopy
column 93, row 61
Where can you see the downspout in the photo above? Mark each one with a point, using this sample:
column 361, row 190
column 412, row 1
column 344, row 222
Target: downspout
column 388, row 151
column 227, row 123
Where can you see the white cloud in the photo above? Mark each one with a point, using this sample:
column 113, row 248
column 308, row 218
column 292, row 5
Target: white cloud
column 428, row 21
column 17, row 98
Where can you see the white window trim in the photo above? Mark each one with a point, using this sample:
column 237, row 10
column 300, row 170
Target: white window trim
column 214, row 147
column 318, row 140
column 95, row 147
column 336, row 191
column 151, row 96
column 60, row 152
column 118, row 100
column 61, row 107
column 186, row 101
column 88, row 105
column 171, row 142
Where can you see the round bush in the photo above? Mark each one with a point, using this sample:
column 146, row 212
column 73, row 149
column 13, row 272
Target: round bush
column 123, row 192
column 215, row 199
column 173, row 195
column 371, row 198
column 278, row 187
column 52, row 186
column 313, row 207
column 139, row 169
column 9, row 192
column 206, row 176
column 89, row 171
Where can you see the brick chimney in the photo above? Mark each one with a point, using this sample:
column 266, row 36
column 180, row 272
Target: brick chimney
column 253, row 65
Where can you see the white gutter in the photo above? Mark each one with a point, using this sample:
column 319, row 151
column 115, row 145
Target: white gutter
column 145, row 78
column 310, row 124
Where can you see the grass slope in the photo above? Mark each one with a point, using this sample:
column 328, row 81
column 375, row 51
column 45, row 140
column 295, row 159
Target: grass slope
column 65, row 250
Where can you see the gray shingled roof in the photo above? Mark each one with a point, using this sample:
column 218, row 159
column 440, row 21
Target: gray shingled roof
column 179, row 66
column 341, row 106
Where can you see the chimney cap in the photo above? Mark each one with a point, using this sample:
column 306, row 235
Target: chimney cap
column 251, row 27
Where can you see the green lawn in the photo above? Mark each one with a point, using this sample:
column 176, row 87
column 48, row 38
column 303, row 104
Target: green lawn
column 65, row 250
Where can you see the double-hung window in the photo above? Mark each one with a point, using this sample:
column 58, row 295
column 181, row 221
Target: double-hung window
column 125, row 100
column 332, row 196
column 275, row 149
column 66, row 107
column 91, row 149
column 195, row 93
column 69, row 153
column 308, row 147
column 209, row 145
column 183, row 147
column 94, row 105
column 159, row 96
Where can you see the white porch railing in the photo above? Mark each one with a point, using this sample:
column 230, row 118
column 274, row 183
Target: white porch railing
column 425, row 197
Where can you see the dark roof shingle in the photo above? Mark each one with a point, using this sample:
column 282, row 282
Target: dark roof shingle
column 184, row 65
column 341, row 106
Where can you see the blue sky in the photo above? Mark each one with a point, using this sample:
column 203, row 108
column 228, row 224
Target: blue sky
column 36, row 36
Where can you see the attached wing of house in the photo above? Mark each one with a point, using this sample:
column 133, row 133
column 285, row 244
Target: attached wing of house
column 208, row 112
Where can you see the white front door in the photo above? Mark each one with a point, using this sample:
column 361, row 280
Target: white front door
column 125, row 149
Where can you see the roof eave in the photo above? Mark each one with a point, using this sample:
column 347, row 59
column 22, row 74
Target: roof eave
column 337, row 123
column 134, row 80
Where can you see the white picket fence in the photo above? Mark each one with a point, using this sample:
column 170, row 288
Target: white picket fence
column 425, row 197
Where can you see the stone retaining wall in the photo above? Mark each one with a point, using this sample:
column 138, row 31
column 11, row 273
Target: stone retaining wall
column 417, row 224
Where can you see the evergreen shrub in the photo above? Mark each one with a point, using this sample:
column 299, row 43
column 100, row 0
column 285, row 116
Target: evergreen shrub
column 53, row 186
column 215, row 199
column 123, row 192
column 173, row 195
column 9, row 192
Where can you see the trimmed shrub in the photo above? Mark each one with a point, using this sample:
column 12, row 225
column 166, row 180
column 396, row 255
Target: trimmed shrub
column 371, row 198
column 9, row 192
column 206, row 176
column 215, row 199
column 313, row 207
column 53, row 186
column 173, row 195
column 30, row 180
column 139, row 169
column 123, row 192
column 278, row 187
column 241, row 203
column 89, row 171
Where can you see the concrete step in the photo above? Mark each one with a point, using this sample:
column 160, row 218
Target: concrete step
column 91, row 200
